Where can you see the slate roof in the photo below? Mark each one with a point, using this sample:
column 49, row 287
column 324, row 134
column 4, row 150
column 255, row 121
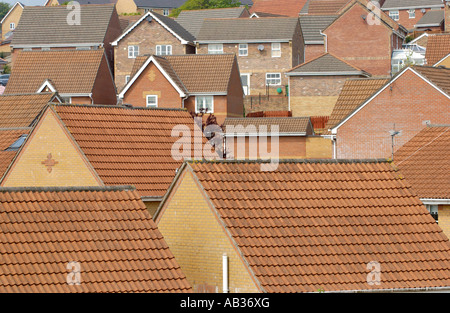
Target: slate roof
column 431, row 18
column 71, row 71
column 410, row 4
column 35, row 29
column 280, row 7
column 264, row 29
column 8, row 136
column 326, row 64
column 313, row 24
column 353, row 95
column 194, row 73
column 425, row 162
column 22, row 110
column 286, row 125
column 192, row 20
column 317, row 224
column 325, row 6
column 128, row 146
column 108, row 231
column 438, row 46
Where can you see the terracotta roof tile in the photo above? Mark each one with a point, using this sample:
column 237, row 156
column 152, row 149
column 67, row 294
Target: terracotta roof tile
column 317, row 224
column 71, row 71
column 325, row 6
column 139, row 154
column 108, row 231
column 425, row 162
column 353, row 94
column 8, row 136
column 21, row 110
column 438, row 46
column 299, row 125
column 279, row 7
column 437, row 75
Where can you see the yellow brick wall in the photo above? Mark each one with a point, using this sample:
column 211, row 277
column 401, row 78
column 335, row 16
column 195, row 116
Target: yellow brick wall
column 49, row 137
column 444, row 219
column 126, row 6
column 318, row 148
column 198, row 241
column 445, row 62
column 13, row 17
column 312, row 106
column 152, row 206
column 54, row 2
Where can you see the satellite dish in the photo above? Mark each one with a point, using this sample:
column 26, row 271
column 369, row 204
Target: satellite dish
column 260, row 47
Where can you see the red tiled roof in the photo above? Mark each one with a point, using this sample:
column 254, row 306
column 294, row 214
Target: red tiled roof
column 425, row 162
column 326, row 6
column 7, row 138
column 128, row 146
column 279, row 7
column 438, row 46
column 318, row 224
column 108, row 231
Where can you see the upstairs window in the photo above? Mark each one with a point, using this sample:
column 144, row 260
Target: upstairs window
column 273, row 79
column 133, row 52
column 276, row 50
column 163, row 50
column 434, row 211
column 152, row 101
column 12, row 26
column 204, row 103
column 166, row 12
column 412, row 13
column 215, row 48
column 243, row 49
column 394, row 15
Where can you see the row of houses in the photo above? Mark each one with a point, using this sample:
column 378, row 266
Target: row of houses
column 108, row 183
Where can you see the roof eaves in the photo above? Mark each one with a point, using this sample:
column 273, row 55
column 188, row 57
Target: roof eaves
column 17, row 3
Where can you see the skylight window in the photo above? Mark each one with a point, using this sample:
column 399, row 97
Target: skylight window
column 17, row 144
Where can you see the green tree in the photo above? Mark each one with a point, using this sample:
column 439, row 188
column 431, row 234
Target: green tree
column 4, row 8
column 205, row 4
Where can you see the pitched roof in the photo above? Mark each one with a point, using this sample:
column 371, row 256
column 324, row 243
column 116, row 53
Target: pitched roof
column 286, row 125
column 314, row 224
column 127, row 146
column 326, row 64
column 439, row 76
column 170, row 24
column 107, row 231
column 22, row 110
column 431, row 18
column 256, row 29
column 325, row 6
column 425, row 162
column 163, row 4
column 71, row 71
column 353, row 94
column 192, row 20
column 313, row 24
column 438, row 46
column 34, row 28
column 279, row 7
column 9, row 136
column 411, row 4
column 191, row 73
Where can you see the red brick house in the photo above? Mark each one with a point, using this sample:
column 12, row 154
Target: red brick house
column 370, row 45
column 193, row 82
column 417, row 96
column 151, row 34
column 409, row 12
column 79, row 76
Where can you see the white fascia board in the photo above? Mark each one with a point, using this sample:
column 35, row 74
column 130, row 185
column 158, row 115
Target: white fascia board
column 48, row 85
column 135, row 77
column 17, row 3
column 67, row 95
column 432, row 201
column 414, row 7
column 115, row 42
column 60, row 45
column 221, row 93
column 324, row 73
column 201, row 42
column 314, row 42
column 334, row 129
column 435, row 65
column 263, row 134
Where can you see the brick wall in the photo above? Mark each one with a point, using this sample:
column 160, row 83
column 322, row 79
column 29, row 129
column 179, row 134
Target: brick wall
column 104, row 91
column 264, row 103
column 444, row 219
column 114, row 30
column 49, row 137
column 369, row 48
column 410, row 102
column 126, row 6
column 198, row 242
column 313, row 51
column 291, row 147
column 13, row 17
column 447, row 16
column 147, row 36
column 318, row 147
column 407, row 22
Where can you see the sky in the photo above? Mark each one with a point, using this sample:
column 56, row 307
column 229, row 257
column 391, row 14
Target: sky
column 25, row 2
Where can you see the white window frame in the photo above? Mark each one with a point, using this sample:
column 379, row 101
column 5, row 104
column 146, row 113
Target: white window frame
column 166, row 12
column 394, row 14
column 198, row 98
column 167, row 48
column 150, row 105
column 243, row 47
column 218, row 48
column 127, row 78
column 12, row 26
column 246, row 92
column 267, row 78
column 276, row 47
column 133, row 51
column 413, row 12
